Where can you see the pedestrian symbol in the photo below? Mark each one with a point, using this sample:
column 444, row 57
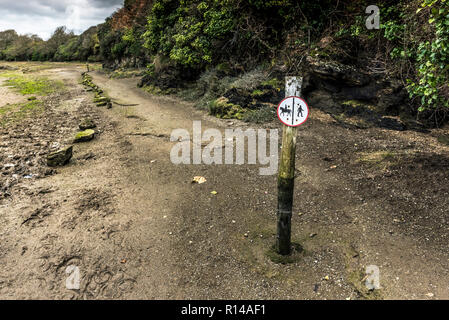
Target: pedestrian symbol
column 293, row 111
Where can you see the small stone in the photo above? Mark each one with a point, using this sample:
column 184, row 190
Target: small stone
column 444, row 140
column 87, row 124
column 88, row 156
column 430, row 295
column 60, row 157
column 84, row 136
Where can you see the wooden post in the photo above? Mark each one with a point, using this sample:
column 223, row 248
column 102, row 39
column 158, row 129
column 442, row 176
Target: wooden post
column 286, row 177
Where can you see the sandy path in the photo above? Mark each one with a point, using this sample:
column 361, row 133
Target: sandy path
column 137, row 228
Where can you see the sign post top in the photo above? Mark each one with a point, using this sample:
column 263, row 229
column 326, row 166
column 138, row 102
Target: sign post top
column 293, row 86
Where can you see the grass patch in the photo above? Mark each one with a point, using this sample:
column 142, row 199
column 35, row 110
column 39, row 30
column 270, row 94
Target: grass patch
column 155, row 90
column 274, row 82
column 38, row 86
column 377, row 157
column 12, row 113
column 8, row 74
column 127, row 73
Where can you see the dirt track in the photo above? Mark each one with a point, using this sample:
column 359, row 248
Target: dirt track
column 137, row 227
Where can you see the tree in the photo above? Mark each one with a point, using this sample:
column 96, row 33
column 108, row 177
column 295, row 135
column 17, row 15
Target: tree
column 60, row 37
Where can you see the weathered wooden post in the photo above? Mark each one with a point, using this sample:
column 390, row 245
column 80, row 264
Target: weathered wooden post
column 286, row 177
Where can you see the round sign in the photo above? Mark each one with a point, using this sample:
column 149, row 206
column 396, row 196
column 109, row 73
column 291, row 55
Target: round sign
column 293, row 111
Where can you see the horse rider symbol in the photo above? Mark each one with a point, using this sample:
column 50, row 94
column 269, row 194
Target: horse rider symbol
column 285, row 110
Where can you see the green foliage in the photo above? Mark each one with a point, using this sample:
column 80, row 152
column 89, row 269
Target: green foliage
column 62, row 46
column 118, row 44
column 197, row 34
column 222, row 108
column 416, row 41
column 188, row 32
column 184, row 38
column 432, row 60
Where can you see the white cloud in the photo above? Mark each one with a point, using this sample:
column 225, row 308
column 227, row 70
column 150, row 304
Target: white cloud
column 42, row 17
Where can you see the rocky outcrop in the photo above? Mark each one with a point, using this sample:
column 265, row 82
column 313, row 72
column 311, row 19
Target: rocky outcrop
column 60, row 157
column 345, row 83
column 84, row 136
column 87, row 124
column 345, row 90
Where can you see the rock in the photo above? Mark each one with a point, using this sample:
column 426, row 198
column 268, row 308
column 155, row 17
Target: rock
column 337, row 72
column 84, row 136
column 444, row 140
column 88, row 156
column 391, row 124
column 87, row 124
column 60, row 157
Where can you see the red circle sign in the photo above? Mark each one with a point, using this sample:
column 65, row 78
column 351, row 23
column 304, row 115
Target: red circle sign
column 293, row 111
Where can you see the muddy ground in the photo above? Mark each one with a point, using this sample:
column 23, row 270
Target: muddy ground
column 137, row 228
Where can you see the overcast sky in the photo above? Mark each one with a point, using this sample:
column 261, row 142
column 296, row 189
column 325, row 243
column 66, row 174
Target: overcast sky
column 42, row 17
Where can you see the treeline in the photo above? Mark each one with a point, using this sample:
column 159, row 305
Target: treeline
column 178, row 40
column 183, row 38
column 63, row 45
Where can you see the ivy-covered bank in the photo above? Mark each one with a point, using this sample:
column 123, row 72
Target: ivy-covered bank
column 431, row 58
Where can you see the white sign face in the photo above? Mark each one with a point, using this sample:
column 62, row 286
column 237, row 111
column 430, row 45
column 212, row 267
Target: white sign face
column 293, row 111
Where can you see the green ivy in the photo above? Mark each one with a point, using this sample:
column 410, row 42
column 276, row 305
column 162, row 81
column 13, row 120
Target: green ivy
column 188, row 32
column 432, row 60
